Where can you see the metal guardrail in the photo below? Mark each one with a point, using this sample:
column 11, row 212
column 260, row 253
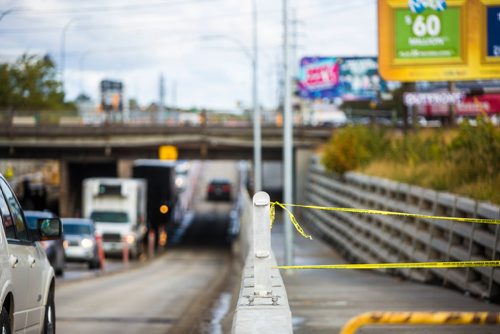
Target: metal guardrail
column 262, row 305
column 374, row 238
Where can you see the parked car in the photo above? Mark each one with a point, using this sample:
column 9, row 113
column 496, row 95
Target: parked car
column 79, row 234
column 53, row 248
column 219, row 189
column 27, row 281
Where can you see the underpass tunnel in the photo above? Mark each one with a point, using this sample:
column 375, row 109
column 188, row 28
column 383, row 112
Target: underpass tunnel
column 72, row 174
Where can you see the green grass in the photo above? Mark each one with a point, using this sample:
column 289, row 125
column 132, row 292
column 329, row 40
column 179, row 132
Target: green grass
column 465, row 160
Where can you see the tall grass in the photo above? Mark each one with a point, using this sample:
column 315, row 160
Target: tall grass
column 465, row 161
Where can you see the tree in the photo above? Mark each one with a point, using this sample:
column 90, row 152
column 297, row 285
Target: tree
column 133, row 104
column 30, row 84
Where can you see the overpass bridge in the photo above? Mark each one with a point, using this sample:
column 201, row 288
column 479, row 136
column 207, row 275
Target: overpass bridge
column 120, row 141
column 108, row 150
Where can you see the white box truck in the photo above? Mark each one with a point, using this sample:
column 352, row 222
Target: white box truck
column 118, row 208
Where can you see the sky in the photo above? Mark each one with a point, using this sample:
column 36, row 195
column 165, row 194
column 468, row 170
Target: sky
column 203, row 48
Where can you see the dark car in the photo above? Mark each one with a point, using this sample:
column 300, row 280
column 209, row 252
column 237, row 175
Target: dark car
column 53, row 248
column 81, row 241
column 219, row 190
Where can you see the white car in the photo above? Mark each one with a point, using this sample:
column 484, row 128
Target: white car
column 26, row 277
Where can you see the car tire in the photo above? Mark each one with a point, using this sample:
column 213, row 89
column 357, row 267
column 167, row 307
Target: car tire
column 49, row 322
column 59, row 271
column 4, row 321
column 94, row 264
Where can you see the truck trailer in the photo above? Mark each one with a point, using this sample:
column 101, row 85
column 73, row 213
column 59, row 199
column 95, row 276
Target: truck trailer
column 163, row 208
column 118, row 208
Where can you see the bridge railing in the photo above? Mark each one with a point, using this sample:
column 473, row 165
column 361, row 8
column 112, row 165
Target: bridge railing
column 262, row 305
column 378, row 238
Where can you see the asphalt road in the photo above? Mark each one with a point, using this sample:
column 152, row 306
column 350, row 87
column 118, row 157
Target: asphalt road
column 170, row 294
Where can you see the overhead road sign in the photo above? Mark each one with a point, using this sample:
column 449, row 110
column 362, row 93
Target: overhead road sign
column 437, row 40
column 167, row 152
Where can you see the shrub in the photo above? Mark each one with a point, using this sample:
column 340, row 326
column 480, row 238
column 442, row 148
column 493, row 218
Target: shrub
column 352, row 147
column 476, row 150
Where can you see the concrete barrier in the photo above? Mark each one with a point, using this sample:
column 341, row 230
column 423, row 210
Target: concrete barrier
column 262, row 305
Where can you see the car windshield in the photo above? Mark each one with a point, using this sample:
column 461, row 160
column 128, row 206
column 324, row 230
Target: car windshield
column 109, row 217
column 76, row 229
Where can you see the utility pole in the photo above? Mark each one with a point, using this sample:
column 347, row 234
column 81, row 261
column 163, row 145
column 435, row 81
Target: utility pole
column 287, row 141
column 174, row 94
column 257, row 137
column 161, row 106
column 294, row 45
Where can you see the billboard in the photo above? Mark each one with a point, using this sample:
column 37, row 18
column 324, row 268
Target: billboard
column 111, row 96
column 469, row 106
column 438, row 40
column 349, row 78
column 319, row 77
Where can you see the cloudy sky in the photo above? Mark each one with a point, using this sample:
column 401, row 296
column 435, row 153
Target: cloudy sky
column 200, row 46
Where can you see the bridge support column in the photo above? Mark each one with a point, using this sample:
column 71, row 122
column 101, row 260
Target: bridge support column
column 64, row 205
column 124, row 168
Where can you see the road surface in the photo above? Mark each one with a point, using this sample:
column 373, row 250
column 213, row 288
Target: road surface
column 170, row 294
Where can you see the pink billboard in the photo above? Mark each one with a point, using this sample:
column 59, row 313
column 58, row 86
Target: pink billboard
column 469, row 106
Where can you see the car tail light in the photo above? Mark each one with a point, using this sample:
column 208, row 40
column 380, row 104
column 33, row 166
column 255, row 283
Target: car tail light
column 211, row 187
column 226, row 188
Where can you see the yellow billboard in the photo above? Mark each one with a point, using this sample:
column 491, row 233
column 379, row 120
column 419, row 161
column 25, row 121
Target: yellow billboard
column 438, row 40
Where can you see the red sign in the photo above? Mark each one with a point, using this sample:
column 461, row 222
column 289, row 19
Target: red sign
column 322, row 76
column 469, row 106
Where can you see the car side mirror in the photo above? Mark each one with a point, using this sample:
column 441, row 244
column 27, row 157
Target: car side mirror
column 47, row 229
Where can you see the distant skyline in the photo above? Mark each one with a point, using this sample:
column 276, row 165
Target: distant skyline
column 198, row 45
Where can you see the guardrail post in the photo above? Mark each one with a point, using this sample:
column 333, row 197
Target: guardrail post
column 262, row 244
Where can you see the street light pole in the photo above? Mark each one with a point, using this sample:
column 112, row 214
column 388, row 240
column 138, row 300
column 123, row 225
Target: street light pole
column 257, row 136
column 82, row 63
column 287, row 141
column 252, row 54
column 9, row 11
column 63, row 49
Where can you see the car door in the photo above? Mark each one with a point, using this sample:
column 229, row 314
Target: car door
column 33, row 260
column 36, row 281
column 17, row 262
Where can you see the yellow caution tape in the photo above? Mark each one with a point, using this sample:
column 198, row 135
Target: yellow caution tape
column 463, row 264
column 391, row 213
column 292, row 218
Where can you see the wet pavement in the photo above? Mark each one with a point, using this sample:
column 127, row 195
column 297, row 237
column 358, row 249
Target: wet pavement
column 322, row 301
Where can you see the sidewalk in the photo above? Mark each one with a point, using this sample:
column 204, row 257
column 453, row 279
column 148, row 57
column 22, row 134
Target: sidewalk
column 322, row 301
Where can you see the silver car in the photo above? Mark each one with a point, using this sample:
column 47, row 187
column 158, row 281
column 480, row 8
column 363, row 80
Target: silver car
column 81, row 244
column 27, row 282
column 53, row 248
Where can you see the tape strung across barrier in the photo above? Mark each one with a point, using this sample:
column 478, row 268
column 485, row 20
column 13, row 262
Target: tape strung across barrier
column 389, row 213
column 292, row 218
column 416, row 265
column 463, row 264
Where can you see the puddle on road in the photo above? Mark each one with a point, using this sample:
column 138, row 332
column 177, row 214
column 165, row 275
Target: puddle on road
column 297, row 322
column 219, row 310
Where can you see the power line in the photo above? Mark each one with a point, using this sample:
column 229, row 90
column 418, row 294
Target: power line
column 161, row 22
column 100, row 9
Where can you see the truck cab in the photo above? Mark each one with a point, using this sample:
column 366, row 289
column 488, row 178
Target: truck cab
column 118, row 208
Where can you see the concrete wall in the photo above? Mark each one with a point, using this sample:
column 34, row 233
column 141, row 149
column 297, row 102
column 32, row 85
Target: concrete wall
column 254, row 313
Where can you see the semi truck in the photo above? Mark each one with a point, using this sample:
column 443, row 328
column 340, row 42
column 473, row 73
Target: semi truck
column 163, row 206
column 118, row 208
